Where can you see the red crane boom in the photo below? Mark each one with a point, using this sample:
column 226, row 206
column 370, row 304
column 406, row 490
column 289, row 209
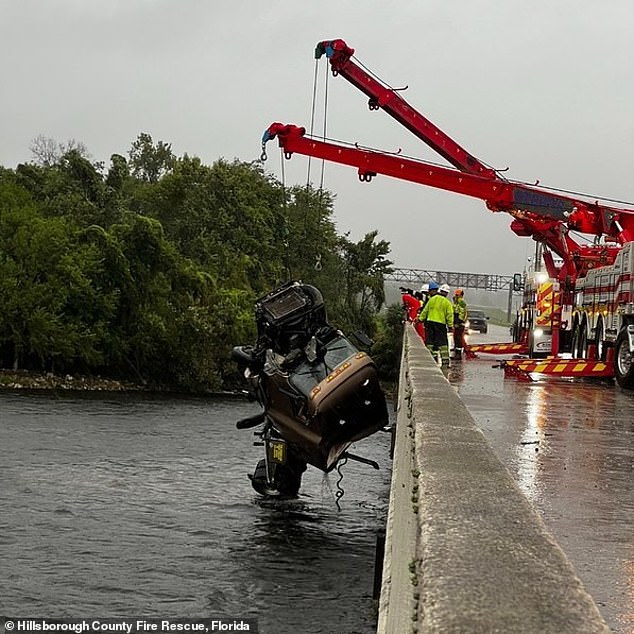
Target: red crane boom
column 382, row 96
column 545, row 215
column 599, row 303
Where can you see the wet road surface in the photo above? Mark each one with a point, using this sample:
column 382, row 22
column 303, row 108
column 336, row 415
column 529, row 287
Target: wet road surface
column 128, row 506
column 570, row 446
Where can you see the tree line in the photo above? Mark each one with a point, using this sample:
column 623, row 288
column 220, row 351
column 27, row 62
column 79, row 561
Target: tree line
column 147, row 269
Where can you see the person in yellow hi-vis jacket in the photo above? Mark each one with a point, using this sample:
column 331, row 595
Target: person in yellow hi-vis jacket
column 437, row 314
column 459, row 320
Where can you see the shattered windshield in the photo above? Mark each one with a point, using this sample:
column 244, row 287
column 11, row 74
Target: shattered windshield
column 307, row 375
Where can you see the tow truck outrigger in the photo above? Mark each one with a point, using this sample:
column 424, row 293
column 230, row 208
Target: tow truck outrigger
column 595, row 281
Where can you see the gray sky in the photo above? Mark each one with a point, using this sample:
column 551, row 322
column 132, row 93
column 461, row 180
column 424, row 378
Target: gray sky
column 543, row 87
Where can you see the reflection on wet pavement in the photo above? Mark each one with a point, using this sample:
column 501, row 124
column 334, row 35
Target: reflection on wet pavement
column 570, row 447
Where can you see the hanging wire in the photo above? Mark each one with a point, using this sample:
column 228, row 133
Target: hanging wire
column 323, row 161
column 312, row 115
column 285, row 227
column 318, row 264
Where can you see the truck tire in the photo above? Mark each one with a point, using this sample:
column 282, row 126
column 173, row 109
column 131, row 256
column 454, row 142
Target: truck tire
column 286, row 479
column 623, row 361
column 582, row 341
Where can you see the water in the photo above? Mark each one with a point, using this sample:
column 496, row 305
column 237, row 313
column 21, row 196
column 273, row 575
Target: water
column 131, row 505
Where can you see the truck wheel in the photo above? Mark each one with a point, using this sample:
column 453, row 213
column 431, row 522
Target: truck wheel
column 286, row 479
column 623, row 361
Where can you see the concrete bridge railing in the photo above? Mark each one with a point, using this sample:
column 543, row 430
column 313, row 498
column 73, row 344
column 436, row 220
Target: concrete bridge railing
column 465, row 551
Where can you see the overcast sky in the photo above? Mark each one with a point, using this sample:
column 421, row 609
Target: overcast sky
column 543, row 87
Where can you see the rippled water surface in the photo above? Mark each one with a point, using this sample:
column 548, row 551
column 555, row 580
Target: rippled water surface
column 123, row 505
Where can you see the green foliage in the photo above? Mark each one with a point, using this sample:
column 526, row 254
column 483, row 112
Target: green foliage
column 148, row 162
column 50, row 310
column 388, row 342
column 225, row 217
column 363, row 266
column 497, row 316
column 148, row 270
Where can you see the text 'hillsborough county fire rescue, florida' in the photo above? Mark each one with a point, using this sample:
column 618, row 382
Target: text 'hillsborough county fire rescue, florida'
column 128, row 626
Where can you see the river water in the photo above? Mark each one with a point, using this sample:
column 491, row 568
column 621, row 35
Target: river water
column 132, row 505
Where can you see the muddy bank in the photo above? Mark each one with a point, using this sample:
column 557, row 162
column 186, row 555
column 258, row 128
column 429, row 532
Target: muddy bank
column 23, row 380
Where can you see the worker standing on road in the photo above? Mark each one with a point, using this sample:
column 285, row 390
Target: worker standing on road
column 437, row 315
column 459, row 319
column 412, row 303
column 423, row 294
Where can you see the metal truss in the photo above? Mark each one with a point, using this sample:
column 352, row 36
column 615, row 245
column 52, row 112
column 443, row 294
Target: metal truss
column 417, row 277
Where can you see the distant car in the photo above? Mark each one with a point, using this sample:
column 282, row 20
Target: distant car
column 477, row 321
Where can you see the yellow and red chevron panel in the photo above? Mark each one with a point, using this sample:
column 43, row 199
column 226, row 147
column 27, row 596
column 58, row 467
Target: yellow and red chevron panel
column 499, row 348
column 544, row 304
column 560, row 367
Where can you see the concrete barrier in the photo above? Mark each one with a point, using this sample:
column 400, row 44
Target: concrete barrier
column 465, row 551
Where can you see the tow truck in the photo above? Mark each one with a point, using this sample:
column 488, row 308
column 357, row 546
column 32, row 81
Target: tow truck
column 591, row 283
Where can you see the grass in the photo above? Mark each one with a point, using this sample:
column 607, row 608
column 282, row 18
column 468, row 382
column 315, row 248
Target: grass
column 496, row 316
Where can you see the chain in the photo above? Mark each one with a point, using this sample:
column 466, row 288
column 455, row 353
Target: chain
column 340, row 492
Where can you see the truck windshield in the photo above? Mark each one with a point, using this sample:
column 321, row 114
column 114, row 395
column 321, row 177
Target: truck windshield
column 307, row 375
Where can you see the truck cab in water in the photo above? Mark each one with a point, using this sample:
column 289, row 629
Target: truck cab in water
column 319, row 392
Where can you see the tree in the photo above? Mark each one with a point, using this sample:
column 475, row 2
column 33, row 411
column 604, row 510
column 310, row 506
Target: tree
column 48, row 152
column 151, row 271
column 226, row 217
column 45, row 289
column 118, row 174
column 83, row 175
column 364, row 266
column 311, row 235
column 388, row 342
column 148, row 162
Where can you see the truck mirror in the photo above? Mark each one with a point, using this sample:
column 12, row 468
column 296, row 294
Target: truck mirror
column 518, row 282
